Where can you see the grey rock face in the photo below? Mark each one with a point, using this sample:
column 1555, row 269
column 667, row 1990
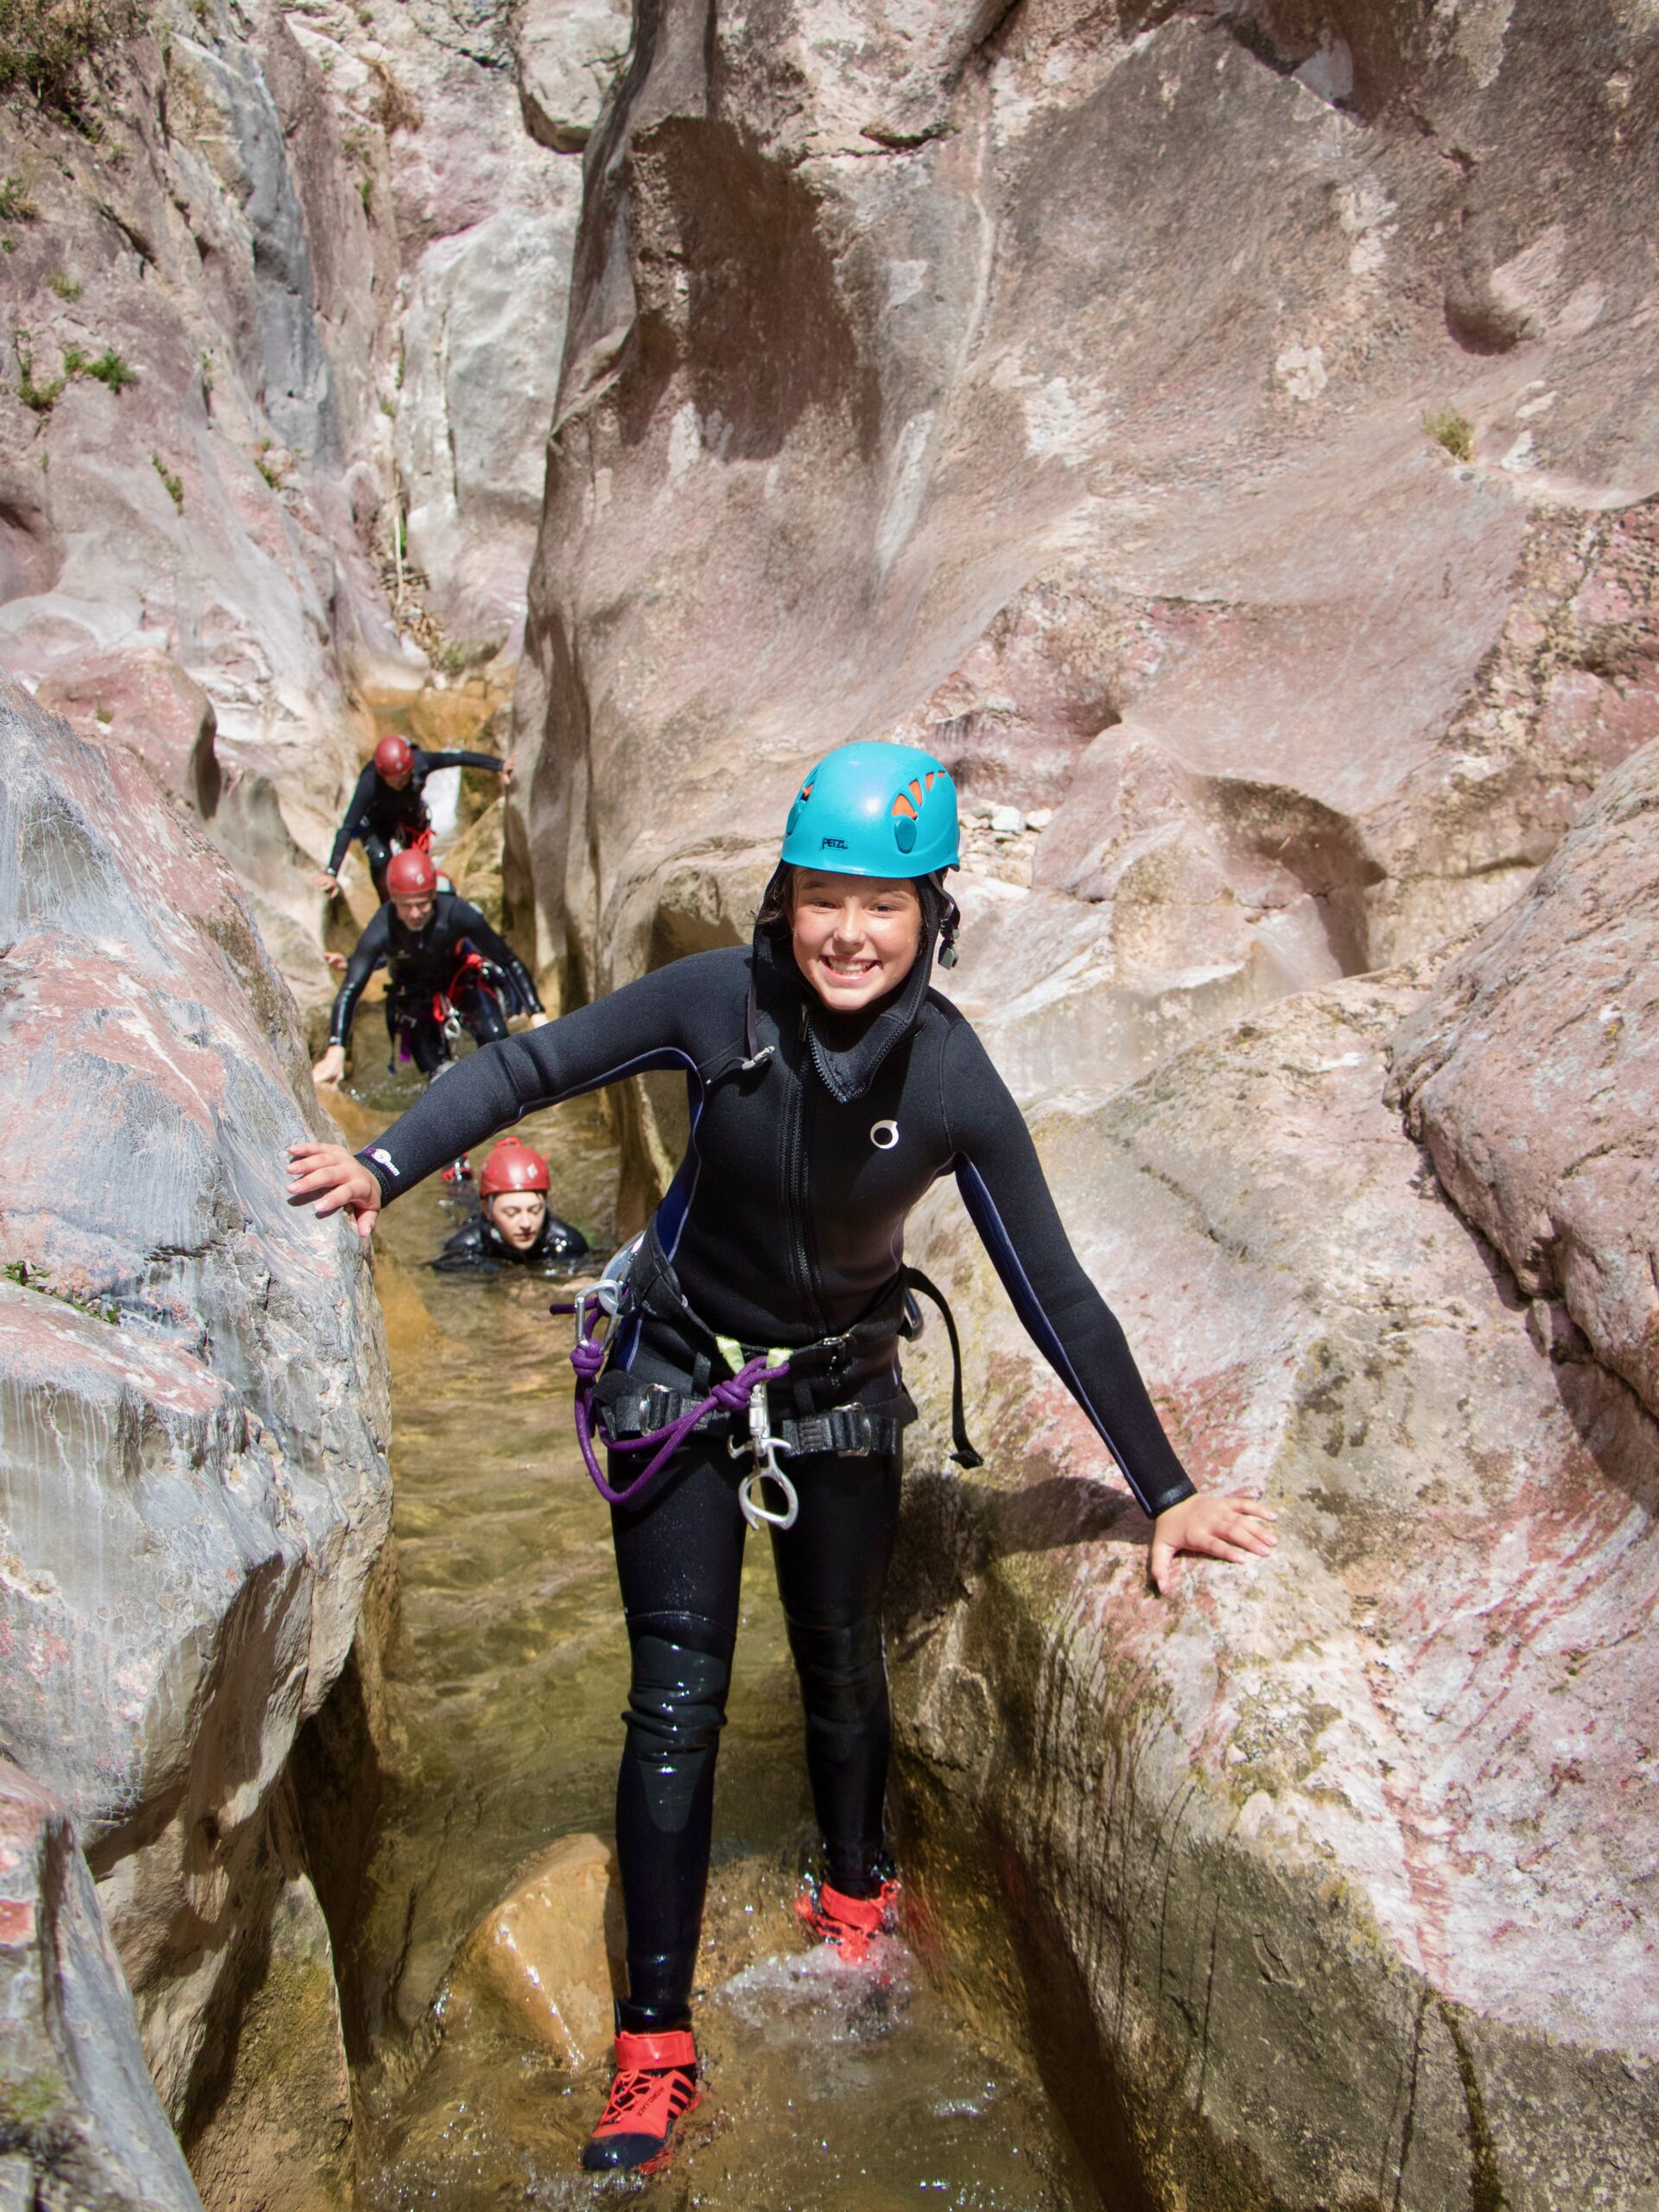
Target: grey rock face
column 1072, row 396
column 81, row 2124
column 290, row 367
column 193, row 1409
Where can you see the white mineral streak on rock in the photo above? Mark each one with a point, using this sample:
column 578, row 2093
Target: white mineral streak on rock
column 1301, row 370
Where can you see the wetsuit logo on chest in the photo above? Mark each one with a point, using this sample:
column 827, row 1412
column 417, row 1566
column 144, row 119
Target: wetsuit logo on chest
column 884, row 1136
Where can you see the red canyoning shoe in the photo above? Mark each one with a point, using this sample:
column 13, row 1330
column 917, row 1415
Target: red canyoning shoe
column 656, row 2086
column 847, row 1923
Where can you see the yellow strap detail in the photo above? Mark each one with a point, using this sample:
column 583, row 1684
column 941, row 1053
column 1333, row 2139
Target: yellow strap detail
column 731, row 1352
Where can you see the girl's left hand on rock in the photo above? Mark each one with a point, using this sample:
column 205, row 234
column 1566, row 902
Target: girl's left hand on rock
column 1234, row 1527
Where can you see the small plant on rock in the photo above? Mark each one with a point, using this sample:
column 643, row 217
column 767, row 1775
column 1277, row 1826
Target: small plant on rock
column 174, row 484
column 15, row 206
column 47, row 45
column 64, row 285
column 36, row 1279
column 1453, row 431
column 41, row 395
column 111, row 369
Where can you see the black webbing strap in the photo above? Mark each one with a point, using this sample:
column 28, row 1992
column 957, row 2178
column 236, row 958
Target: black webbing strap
column 655, row 1288
column 964, row 1454
column 851, row 1432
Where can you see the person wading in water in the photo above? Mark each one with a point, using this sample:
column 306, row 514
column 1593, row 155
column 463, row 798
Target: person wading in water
column 831, row 1087
column 446, row 969
column 388, row 809
column 513, row 1226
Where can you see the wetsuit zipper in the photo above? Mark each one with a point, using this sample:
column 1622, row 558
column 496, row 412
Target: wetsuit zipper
column 795, row 1184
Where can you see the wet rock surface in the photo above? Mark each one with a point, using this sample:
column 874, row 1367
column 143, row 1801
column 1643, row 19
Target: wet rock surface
column 193, row 1428
column 552, row 1950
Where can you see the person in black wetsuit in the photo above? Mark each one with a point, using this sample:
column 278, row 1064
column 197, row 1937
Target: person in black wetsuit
column 830, row 1087
column 513, row 1226
column 388, row 809
column 441, row 956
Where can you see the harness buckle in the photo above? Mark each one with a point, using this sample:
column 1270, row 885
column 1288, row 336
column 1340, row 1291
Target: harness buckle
column 858, row 1430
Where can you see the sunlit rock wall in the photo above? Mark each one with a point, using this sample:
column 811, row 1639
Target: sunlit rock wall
column 1227, row 434
column 1054, row 386
column 193, row 1426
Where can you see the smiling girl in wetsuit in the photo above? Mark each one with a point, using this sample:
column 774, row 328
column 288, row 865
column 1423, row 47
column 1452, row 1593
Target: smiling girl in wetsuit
column 830, row 1087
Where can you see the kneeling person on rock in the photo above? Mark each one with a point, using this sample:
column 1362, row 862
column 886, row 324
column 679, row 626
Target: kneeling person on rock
column 446, row 967
column 764, row 1310
column 513, row 1227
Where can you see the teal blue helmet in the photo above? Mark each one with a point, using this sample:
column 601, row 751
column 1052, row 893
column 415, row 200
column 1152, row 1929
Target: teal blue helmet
column 874, row 810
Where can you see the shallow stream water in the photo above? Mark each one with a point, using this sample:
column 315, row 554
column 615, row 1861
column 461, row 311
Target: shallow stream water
column 827, row 2087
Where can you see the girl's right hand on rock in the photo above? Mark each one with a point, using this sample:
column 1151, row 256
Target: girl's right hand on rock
column 331, row 1067
column 330, row 1178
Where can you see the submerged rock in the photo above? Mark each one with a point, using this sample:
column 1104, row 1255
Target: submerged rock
column 552, row 1949
column 193, row 1395
column 1332, row 1869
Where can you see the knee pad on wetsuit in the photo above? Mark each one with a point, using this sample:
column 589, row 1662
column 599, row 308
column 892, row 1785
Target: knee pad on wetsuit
column 843, row 1670
column 676, row 1708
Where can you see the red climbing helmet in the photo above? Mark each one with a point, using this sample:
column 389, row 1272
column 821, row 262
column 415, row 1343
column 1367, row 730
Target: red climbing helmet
column 394, row 755
column 513, row 1167
column 411, row 876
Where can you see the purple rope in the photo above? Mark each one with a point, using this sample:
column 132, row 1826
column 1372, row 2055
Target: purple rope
column 587, row 1356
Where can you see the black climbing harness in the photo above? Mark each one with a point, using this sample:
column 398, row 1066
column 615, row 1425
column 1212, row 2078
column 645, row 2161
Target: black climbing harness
column 654, row 1418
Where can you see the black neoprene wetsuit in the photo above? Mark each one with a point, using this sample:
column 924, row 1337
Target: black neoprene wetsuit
column 478, row 1248
column 783, row 1224
column 431, row 962
column 378, row 815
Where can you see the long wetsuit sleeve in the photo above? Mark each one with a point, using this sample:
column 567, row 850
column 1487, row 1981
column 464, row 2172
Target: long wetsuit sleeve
column 464, row 760
column 1009, row 1203
column 637, row 1027
column 353, row 825
column 479, row 932
column 372, row 948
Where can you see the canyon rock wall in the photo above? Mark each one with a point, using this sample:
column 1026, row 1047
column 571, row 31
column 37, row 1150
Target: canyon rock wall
column 1226, row 434
column 1334, row 1869
column 193, row 1479
column 1532, row 1076
column 284, row 307
column 1229, row 427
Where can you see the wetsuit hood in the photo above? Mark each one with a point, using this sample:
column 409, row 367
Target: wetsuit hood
column 848, row 1049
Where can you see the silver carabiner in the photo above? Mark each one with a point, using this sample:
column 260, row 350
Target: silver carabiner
column 749, row 1494
column 763, row 1447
